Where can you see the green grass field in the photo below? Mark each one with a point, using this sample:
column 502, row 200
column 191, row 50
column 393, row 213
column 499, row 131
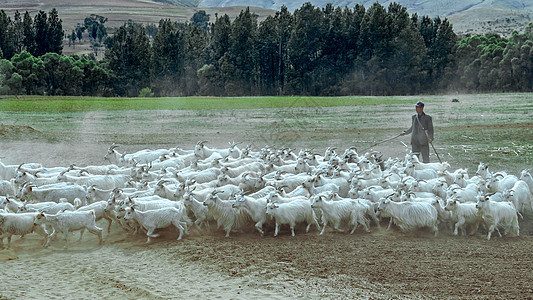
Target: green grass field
column 83, row 104
column 492, row 128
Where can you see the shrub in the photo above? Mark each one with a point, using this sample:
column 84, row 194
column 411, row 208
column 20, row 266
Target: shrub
column 146, row 92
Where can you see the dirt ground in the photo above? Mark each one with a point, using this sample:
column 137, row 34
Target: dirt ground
column 377, row 265
column 205, row 265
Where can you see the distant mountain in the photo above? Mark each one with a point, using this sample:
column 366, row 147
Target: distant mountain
column 432, row 8
column 467, row 16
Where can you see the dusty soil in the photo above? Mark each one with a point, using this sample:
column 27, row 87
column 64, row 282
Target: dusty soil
column 378, row 265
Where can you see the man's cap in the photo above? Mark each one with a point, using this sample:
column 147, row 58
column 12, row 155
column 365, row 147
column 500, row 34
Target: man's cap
column 419, row 104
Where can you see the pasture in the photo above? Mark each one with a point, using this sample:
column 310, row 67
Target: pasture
column 496, row 129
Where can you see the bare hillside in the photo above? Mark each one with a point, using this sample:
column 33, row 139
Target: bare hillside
column 467, row 16
column 119, row 11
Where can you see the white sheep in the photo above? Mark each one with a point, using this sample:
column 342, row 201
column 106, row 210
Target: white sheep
column 340, row 211
column 95, row 194
column 256, row 208
column 18, row 224
column 291, row 213
column 69, row 221
column 164, row 191
column 100, row 212
column 499, row 215
column 410, row 215
column 46, row 207
column 7, row 187
column 341, row 182
column 525, row 176
column 500, row 184
column 464, row 214
column 226, row 216
column 198, row 209
column 52, row 193
column 100, row 181
column 157, row 218
column 369, row 206
column 520, row 195
column 204, row 152
column 425, row 174
column 374, row 194
column 466, row 194
column 237, row 171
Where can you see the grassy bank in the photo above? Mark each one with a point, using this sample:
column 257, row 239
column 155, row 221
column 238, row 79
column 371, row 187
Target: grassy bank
column 84, row 104
column 492, row 128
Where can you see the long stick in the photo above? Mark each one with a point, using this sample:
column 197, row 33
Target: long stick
column 434, row 149
column 392, row 138
column 427, row 136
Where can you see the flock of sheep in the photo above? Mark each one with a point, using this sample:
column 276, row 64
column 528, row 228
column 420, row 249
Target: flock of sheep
column 240, row 189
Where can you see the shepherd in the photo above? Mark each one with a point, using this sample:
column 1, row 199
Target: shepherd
column 422, row 132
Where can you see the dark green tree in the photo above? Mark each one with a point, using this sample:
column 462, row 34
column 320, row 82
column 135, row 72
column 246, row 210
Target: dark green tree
column 40, row 25
column 31, row 70
column 241, row 55
column 28, row 41
column 18, row 33
column 268, row 60
column 167, row 58
column 196, row 41
column 441, row 52
column 129, row 59
column 201, row 19
column 55, row 32
column 96, row 79
column 63, row 74
column 305, row 48
column 210, row 75
column 6, row 35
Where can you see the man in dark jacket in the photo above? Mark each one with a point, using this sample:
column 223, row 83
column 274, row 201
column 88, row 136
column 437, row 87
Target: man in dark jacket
column 422, row 132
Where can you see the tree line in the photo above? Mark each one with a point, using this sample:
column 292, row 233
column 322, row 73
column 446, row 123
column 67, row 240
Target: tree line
column 313, row 51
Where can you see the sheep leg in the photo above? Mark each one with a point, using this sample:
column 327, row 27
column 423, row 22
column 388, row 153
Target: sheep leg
column 81, row 234
column 365, row 224
column 9, row 241
column 185, row 227
column 372, row 214
column 436, row 229
column 354, row 223
column 474, row 229
column 228, row 230
column 180, row 228
column 336, row 226
column 498, row 230
column 66, row 239
column 199, row 221
column 324, row 224
column 259, row 227
column 277, row 229
column 109, row 221
column 390, row 223
column 150, row 233
column 292, row 228
column 491, row 229
column 96, row 231
column 315, row 221
column 459, row 223
column 50, row 236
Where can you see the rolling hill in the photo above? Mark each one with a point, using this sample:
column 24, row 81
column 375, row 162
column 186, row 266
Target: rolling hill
column 467, row 16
